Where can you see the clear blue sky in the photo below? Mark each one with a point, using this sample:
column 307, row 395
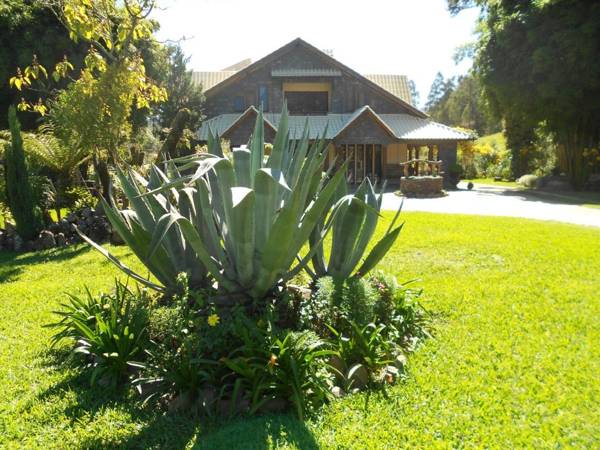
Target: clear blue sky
column 416, row 38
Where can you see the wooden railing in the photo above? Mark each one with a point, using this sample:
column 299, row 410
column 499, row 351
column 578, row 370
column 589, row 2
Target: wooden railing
column 421, row 167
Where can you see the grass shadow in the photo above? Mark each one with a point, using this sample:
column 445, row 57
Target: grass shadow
column 159, row 429
column 12, row 263
column 89, row 399
column 259, row 433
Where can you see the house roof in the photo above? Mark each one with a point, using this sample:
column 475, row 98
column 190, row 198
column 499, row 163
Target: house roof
column 209, row 79
column 391, row 91
column 404, row 127
column 239, row 65
column 396, row 84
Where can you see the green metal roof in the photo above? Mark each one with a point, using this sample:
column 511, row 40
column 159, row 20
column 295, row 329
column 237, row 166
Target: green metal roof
column 404, row 127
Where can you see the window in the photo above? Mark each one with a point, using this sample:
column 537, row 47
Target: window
column 263, row 97
column 239, row 104
column 307, row 102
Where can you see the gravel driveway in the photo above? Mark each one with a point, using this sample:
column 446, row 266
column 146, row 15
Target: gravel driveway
column 498, row 201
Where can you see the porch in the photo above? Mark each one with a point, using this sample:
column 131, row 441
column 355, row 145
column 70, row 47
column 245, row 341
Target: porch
column 393, row 161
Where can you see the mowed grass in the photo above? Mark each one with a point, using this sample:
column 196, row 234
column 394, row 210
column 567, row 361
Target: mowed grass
column 514, row 363
column 492, row 182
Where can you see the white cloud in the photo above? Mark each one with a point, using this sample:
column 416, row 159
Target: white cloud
column 412, row 37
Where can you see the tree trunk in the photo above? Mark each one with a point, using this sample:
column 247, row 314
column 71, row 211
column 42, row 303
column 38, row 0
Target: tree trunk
column 101, row 168
column 169, row 147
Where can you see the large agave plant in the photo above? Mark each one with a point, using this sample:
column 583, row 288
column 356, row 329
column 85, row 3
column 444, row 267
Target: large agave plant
column 243, row 220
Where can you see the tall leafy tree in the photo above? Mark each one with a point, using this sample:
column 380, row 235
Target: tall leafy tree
column 93, row 112
column 31, row 28
column 437, row 100
column 539, row 62
column 467, row 107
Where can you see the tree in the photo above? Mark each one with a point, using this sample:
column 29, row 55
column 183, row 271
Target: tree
column 93, row 111
column 31, row 28
column 26, row 213
column 181, row 90
column 440, row 92
column 414, row 93
column 539, row 63
column 467, row 107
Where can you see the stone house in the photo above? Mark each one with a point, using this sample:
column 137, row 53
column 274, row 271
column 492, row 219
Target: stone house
column 368, row 119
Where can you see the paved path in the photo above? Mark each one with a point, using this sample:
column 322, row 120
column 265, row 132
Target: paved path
column 498, row 201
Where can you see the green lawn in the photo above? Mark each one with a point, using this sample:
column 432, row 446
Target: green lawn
column 491, row 182
column 514, row 363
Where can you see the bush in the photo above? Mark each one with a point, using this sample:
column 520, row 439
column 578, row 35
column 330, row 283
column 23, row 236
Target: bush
column 335, row 302
column 361, row 353
column 278, row 369
column 376, row 299
column 183, row 366
column 78, row 198
column 20, row 198
column 108, row 329
column 529, row 181
column 350, row 333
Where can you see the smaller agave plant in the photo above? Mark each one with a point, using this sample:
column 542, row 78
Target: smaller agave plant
column 353, row 230
column 240, row 223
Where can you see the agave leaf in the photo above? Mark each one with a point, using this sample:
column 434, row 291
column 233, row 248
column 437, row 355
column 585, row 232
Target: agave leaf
column 119, row 264
column 242, row 166
column 379, row 251
column 281, row 143
column 257, row 143
column 214, row 144
column 268, row 185
column 242, row 233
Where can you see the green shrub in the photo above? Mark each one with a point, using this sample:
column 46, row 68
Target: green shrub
column 361, row 353
column 334, row 302
column 20, row 198
column 398, row 307
column 79, row 197
column 189, row 340
column 109, row 329
column 274, row 370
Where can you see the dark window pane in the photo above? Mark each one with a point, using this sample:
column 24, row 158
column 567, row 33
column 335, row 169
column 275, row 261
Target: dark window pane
column 263, row 97
column 239, row 104
column 307, row 102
